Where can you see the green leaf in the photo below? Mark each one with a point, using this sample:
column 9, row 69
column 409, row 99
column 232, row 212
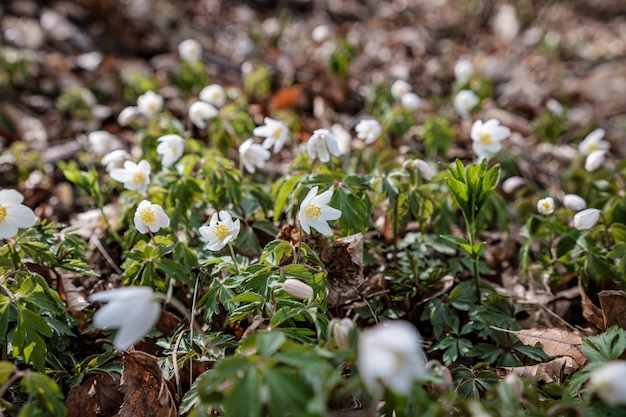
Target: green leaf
column 244, row 398
column 6, row 370
column 44, row 394
column 268, row 343
column 283, row 314
column 288, row 393
column 355, row 212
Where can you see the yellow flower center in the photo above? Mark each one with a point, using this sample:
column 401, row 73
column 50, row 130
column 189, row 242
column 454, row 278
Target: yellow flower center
column 276, row 133
column 221, row 231
column 3, row 213
column 312, row 211
column 546, row 205
column 139, row 178
column 592, row 147
column 485, row 138
column 147, row 215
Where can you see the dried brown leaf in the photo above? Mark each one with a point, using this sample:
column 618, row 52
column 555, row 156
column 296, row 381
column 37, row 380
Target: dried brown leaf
column 80, row 403
column 590, row 311
column 613, row 303
column 108, row 394
column 547, row 371
column 554, row 341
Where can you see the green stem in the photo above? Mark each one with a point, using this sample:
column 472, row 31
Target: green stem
column 113, row 232
column 232, row 255
column 471, row 230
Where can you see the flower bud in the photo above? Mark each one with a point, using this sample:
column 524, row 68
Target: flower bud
column 594, row 160
column 586, row 219
column 574, row 202
column 545, row 206
column 608, row 382
column 340, row 331
column 297, row 289
column 511, row 184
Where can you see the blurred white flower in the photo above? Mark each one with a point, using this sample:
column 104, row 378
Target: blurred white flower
column 253, row 155
column 323, row 144
column 344, row 138
column 275, row 133
column 13, row 214
column 171, row 148
column 505, row 23
column 213, row 94
column 297, row 289
column 151, row 217
column 512, row 183
column 315, row 212
column 463, row 71
column 133, row 176
column 390, row 355
column 574, row 202
column 102, row 142
column 127, row 115
column 149, row 103
column 400, row 88
column 465, row 101
column 368, row 130
column 321, row 33
column 410, row 101
column 593, row 142
column 595, row 160
column 586, row 219
column 340, row 330
column 115, row 159
column 427, row 171
column 545, row 206
column 190, row 50
column 487, row 136
column 220, row 231
column 608, row 382
column 131, row 310
column 200, row 112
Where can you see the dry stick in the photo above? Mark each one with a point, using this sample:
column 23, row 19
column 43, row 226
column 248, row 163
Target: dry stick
column 191, row 320
column 179, row 388
column 3, row 389
column 98, row 244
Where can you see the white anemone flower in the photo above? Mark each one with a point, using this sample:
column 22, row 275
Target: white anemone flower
column 127, row 115
column 131, row 310
column 608, row 382
column 13, row 214
column 200, row 112
column 595, row 160
column 190, row 50
column 151, row 217
column 574, row 202
column 149, row 103
column 368, row 130
column 275, row 133
column 323, row 144
column 463, row 71
column 134, row 176
column 465, row 101
column 297, row 289
column 487, row 137
column 545, row 206
column 410, row 101
column 344, row 138
column 390, row 355
column 587, row 218
column 115, row 159
column 213, row 94
column 340, row 330
column 171, row 148
column 315, row 212
column 220, row 231
column 593, row 142
column 511, row 184
column 253, row 155
column 400, row 88
column 103, row 142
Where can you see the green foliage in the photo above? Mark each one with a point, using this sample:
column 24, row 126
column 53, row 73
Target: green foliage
column 341, row 58
column 438, row 137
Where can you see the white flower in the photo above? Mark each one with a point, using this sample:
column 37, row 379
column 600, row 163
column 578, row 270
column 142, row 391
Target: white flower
column 321, row 33
column 200, row 112
column 574, row 202
column 220, row 231
column 213, row 94
column 340, row 330
column 149, row 103
column 463, row 71
column 609, row 382
column 253, row 155
column 390, row 355
column 151, row 217
column 131, row 310
column 134, row 176
column 512, row 183
column 171, row 148
column 368, row 130
column 323, row 144
column 275, row 133
column 344, row 138
column 427, row 171
column 400, row 88
column 487, row 136
column 114, row 159
column 297, row 289
column 586, row 219
column 102, row 142
column 13, row 214
column 465, row 101
column 545, row 206
column 410, row 101
column 595, row 160
column 593, row 142
column 190, row 50
column 127, row 115
column 315, row 212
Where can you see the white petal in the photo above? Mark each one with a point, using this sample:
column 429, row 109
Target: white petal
column 8, row 229
column 22, row 216
column 321, row 226
column 10, row 197
column 136, row 328
column 330, row 213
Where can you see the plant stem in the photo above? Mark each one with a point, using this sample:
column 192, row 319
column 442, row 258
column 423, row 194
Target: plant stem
column 232, row 255
column 471, row 230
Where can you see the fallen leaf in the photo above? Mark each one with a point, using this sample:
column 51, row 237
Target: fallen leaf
column 613, row 303
column 547, row 371
column 108, row 395
column 80, row 403
column 590, row 311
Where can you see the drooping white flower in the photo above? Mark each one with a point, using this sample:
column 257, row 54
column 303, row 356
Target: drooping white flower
column 390, row 355
column 115, row 159
column 608, row 382
column 13, row 214
column 149, row 103
column 297, row 289
column 323, row 144
column 103, row 142
column 465, row 101
column 574, row 202
column 512, row 183
column 463, row 71
column 340, row 330
column 344, row 138
column 151, row 217
column 593, row 142
column 127, row 115
column 587, row 218
column 133, row 176
column 190, row 50
column 427, row 171
column 253, row 155
column 200, row 112
column 131, row 310
column 275, row 133
column 410, row 101
column 220, row 231
column 171, row 148
column 487, row 137
column 595, row 160
column 213, row 94
column 368, row 130
column 545, row 206
column 315, row 212
column 400, row 88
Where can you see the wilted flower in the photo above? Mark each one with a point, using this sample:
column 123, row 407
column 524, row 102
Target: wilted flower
column 587, row 218
column 220, row 231
column 609, row 383
column 253, row 155
column 102, row 142
column 400, row 88
column 593, row 142
column 131, row 310
column 127, row 115
column 323, row 144
column 344, row 138
column 213, row 94
column 545, row 206
column 340, row 330
column 595, row 160
column 190, row 50
column 574, row 202
column 134, row 176
column 410, row 101
column 390, row 356
column 368, row 130
column 513, row 183
column 149, row 103
column 315, row 212
column 151, row 217
column 13, row 214
column 200, row 112
column 115, row 159
column 465, row 101
column 487, row 136
column 171, row 148
column 275, row 133
column 297, row 289
column 463, row 71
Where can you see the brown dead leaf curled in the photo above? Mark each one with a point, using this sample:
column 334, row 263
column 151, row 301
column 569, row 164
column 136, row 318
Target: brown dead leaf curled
column 613, row 305
column 547, row 371
column 80, row 403
column 590, row 311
